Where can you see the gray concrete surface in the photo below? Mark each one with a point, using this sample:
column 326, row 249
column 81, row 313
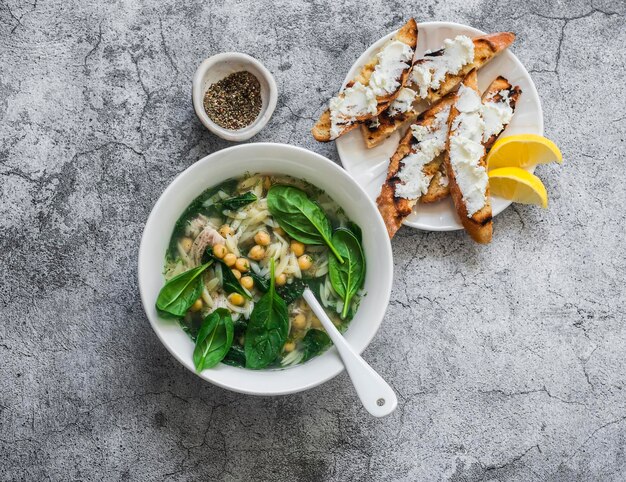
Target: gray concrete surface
column 508, row 359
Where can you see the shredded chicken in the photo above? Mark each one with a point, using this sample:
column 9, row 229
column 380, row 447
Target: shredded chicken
column 207, row 237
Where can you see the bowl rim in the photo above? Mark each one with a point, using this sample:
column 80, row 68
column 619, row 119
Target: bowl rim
column 197, row 96
column 335, row 366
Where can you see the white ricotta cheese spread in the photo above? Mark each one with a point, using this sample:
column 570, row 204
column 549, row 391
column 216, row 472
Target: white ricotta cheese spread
column 466, row 150
column 429, row 72
column 432, row 141
column 402, row 103
column 353, row 102
column 393, row 59
column 360, row 100
column 497, row 114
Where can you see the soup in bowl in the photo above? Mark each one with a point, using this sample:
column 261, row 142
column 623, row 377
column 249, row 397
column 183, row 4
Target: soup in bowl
column 229, row 248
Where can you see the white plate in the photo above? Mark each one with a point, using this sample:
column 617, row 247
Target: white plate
column 369, row 166
column 279, row 159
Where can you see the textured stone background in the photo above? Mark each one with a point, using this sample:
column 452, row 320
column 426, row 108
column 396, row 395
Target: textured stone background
column 508, row 359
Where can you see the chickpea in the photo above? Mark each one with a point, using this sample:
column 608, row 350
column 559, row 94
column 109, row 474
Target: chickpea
column 242, row 264
column 186, row 244
column 230, row 259
column 281, row 279
column 247, row 282
column 236, row 299
column 297, row 248
column 219, row 250
column 226, row 230
column 299, row 322
column 262, row 238
column 305, row 262
column 289, row 346
column 257, row 253
column 316, row 323
column 197, row 305
column 280, row 231
column 237, row 273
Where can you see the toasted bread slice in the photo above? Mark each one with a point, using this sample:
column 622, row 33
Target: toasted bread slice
column 478, row 224
column 395, row 209
column 439, row 186
column 322, row 129
column 500, row 90
column 486, row 48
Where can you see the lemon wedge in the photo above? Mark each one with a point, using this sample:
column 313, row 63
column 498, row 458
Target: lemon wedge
column 518, row 185
column 523, row 150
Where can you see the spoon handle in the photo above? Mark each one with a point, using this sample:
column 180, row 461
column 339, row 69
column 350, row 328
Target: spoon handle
column 376, row 395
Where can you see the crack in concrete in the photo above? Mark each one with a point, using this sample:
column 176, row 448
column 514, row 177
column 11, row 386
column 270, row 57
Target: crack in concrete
column 584, row 367
column 586, row 441
column 565, row 21
column 514, row 460
column 296, row 115
column 19, row 19
column 96, row 45
column 531, row 392
column 166, row 49
column 146, row 92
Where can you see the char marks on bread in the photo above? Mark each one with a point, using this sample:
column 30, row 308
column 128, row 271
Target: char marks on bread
column 373, row 89
column 485, row 48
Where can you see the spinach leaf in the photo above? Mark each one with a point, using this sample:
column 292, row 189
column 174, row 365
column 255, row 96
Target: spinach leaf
column 292, row 291
column 240, row 325
column 191, row 324
column 214, row 339
column 179, row 293
column 262, row 284
column 356, row 230
column 289, row 292
column 236, row 357
column 300, row 217
column 348, row 277
column 315, row 284
column 267, row 328
column 315, row 342
column 229, row 282
column 237, row 202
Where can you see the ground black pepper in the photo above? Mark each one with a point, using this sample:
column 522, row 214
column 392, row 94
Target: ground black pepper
column 235, row 101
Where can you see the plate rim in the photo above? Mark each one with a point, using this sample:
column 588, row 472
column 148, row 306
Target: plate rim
column 367, row 54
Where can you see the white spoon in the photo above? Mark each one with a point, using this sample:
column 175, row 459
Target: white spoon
column 376, row 395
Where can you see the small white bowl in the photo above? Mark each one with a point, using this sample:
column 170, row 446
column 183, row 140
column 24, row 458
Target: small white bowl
column 215, row 69
column 277, row 159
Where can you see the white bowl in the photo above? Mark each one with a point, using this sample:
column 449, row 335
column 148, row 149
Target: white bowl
column 215, row 69
column 277, row 159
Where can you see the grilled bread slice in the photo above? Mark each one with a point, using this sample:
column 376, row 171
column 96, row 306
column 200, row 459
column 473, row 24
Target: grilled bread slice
column 477, row 222
column 486, row 48
column 322, row 129
column 439, row 187
column 395, row 209
column 499, row 91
